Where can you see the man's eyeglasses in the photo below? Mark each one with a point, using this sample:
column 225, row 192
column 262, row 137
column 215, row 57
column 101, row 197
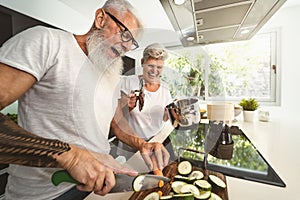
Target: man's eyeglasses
column 126, row 35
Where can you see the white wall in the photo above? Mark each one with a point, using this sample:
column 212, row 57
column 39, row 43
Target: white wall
column 287, row 20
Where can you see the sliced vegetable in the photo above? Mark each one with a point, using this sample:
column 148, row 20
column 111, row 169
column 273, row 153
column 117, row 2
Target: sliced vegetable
column 196, row 174
column 189, row 188
column 203, row 185
column 166, row 197
column 158, row 172
column 214, row 196
column 185, row 167
column 152, row 196
column 204, row 195
column 176, row 186
column 217, row 181
column 161, row 183
column 160, row 193
column 188, row 196
column 181, row 178
column 138, row 183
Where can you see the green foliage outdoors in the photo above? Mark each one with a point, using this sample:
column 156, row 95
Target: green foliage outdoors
column 250, row 104
column 13, row 117
column 245, row 155
column 228, row 70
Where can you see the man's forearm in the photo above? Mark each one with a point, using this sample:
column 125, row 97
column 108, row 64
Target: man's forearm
column 18, row 146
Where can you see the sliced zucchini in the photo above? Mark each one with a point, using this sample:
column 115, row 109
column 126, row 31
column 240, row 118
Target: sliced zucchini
column 217, row 181
column 166, row 197
column 188, row 196
column 196, row 174
column 204, row 195
column 137, row 183
column 152, row 196
column 214, row 196
column 203, row 185
column 176, row 186
column 185, row 167
column 189, row 188
column 181, row 178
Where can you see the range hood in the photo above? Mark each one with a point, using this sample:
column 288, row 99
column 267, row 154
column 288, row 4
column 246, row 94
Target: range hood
column 215, row 21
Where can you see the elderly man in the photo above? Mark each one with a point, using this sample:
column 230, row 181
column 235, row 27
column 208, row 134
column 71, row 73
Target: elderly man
column 65, row 85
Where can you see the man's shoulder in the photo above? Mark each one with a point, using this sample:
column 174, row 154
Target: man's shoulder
column 41, row 30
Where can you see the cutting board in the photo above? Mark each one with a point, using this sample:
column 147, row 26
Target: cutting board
column 170, row 171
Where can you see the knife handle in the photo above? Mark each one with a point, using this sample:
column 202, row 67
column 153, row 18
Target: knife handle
column 62, row 176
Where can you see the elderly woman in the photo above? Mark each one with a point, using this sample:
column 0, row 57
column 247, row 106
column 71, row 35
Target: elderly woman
column 146, row 95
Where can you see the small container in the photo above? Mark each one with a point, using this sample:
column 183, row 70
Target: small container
column 263, row 115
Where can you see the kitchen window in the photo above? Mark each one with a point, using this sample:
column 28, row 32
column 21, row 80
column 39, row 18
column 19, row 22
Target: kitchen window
column 228, row 71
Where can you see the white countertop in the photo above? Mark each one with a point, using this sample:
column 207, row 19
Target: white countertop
column 277, row 140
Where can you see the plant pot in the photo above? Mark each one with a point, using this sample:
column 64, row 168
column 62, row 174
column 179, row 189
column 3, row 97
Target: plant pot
column 249, row 115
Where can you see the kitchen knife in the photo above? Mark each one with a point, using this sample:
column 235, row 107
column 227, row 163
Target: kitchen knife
column 124, row 182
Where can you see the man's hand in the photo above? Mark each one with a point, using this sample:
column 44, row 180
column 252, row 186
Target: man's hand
column 95, row 171
column 155, row 152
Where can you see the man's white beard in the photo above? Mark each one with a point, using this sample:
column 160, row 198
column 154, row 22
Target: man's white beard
column 97, row 46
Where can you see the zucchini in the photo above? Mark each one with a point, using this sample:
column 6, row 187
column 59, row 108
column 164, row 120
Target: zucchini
column 185, row 167
column 196, row 174
column 204, row 195
column 189, row 188
column 176, row 186
column 203, row 185
column 217, row 181
column 152, row 196
column 166, row 197
column 188, row 196
column 137, row 183
column 181, row 178
column 214, row 196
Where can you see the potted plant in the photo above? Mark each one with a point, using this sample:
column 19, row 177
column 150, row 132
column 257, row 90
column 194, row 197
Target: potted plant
column 249, row 107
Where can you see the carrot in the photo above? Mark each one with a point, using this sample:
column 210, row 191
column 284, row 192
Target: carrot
column 159, row 193
column 161, row 183
column 158, row 172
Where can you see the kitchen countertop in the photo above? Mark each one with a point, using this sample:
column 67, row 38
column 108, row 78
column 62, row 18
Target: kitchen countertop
column 276, row 140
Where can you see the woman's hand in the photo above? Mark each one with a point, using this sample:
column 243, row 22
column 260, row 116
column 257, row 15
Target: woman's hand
column 132, row 99
column 155, row 152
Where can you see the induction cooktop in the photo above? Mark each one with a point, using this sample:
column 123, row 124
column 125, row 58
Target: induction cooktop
column 233, row 154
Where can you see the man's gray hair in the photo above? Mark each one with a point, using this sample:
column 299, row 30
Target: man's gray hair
column 156, row 51
column 122, row 7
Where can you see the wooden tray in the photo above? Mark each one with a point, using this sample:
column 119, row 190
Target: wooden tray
column 170, row 171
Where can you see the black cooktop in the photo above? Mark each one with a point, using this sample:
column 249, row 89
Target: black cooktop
column 233, row 154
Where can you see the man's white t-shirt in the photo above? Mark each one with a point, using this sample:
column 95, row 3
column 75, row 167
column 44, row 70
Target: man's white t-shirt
column 63, row 104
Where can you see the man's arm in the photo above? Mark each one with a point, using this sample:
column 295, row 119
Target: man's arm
column 13, row 84
column 152, row 152
column 94, row 171
column 18, row 146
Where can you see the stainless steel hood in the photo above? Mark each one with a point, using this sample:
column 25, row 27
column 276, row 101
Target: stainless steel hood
column 215, row 21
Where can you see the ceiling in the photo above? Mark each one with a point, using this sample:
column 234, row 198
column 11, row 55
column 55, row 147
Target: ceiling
column 77, row 16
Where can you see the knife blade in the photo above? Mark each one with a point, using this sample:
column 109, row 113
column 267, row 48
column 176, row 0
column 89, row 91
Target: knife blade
column 124, row 182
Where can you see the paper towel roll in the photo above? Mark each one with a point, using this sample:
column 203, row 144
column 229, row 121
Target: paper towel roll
column 221, row 111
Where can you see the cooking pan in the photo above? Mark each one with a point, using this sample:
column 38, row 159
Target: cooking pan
column 184, row 112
